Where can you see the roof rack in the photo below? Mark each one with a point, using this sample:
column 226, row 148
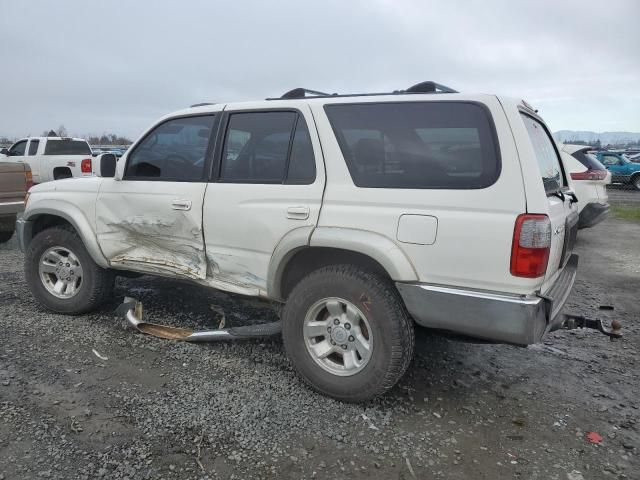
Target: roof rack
column 429, row 87
column 422, row 87
column 203, row 104
column 302, row 93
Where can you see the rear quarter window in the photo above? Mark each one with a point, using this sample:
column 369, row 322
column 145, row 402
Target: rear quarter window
column 447, row 145
column 67, row 147
column 546, row 154
column 588, row 160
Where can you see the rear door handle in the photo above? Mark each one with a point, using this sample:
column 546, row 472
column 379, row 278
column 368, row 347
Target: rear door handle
column 181, row 204
column 298, row 213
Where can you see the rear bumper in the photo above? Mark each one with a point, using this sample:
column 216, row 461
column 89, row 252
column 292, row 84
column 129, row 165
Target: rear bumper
column 592, row 214
column 497, row 317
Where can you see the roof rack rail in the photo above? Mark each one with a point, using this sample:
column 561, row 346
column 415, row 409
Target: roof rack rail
column 422, row 87
column 302, row 93
column 429, row 87
column 203, row 104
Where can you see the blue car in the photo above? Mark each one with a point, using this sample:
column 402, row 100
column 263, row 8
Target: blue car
column 622, row 170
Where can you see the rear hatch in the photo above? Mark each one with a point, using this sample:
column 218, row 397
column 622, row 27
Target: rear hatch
column 558, row 206
column 596, row 174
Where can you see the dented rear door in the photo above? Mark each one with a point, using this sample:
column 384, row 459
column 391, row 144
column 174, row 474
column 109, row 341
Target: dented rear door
column 151, row 220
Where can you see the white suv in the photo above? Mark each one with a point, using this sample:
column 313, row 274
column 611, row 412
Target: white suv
column 361, row 214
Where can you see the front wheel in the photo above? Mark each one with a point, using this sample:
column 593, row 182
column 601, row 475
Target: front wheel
column 62, row 275
column 347, row 333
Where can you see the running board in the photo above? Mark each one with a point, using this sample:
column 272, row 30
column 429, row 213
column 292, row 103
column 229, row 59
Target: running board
column 132, row 311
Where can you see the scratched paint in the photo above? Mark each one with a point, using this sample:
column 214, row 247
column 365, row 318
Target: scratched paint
column 226, row 274
column 153, row 244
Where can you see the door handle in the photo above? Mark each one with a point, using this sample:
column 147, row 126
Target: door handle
column 298, row 213
column 181, row 204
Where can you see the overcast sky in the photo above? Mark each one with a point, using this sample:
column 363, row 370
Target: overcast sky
column 115, row 66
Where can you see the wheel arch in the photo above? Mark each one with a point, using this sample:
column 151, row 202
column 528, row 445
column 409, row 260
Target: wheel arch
column 60, row 173
column 62, row 213
column 311, row 249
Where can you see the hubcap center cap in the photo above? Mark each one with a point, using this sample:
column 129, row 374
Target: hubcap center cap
column 64, row 272
column 339, row 334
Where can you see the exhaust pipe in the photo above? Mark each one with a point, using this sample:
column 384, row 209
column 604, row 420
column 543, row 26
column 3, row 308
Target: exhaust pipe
column 132, row 311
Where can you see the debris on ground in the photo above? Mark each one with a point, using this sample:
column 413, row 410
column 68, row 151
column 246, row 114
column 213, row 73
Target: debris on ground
column 594, row 437
column 101, row 357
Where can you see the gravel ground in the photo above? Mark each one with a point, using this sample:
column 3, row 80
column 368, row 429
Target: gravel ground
column 161, row 409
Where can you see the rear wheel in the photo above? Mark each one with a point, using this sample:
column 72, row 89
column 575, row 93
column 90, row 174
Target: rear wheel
column 62, row 275
column 347, row 333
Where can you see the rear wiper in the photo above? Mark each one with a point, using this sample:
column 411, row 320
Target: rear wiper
column 558, row 194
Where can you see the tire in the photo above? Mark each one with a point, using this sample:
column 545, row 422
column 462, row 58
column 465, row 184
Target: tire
column 5, row 236
column 377, row 306
column 635, row 181
column 92, row 287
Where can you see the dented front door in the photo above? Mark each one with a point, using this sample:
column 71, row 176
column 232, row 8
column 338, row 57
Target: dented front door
column 149, row 218
column 152, row 227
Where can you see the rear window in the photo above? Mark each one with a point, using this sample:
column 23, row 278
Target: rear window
column 546, row 154
column 67, row 147
column 417, row 145
column 588, row 160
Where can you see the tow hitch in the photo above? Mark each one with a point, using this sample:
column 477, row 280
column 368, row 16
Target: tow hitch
column 580, row 321
column 132, row 310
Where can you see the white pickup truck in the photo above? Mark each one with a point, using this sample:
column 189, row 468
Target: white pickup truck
column 52, row 158
column 360, row 214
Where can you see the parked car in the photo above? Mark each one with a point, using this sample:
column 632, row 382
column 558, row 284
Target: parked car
column 15, row 182
column 53, row 158
column 635, row 158
column 622, row 170
column 118, row 152
column 359, row 214
column 589, row 178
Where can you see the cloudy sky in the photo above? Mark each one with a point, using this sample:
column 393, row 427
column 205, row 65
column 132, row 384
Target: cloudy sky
column 115, row 66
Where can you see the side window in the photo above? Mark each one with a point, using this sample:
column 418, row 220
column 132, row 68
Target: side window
column 548, row 160
column 610, row 160
column 302, row 163
column 33, row 147
column 417, row 145
column 256, row 147
column 174, row 151
column 18, row 148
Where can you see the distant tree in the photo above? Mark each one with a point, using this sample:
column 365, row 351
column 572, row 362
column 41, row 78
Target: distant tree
column 108, row 139
column 62, row 131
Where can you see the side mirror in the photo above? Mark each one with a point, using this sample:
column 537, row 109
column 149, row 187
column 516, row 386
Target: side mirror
column 4, row 151
column 105, row 165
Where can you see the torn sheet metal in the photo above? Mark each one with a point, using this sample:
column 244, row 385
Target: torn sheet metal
column 143, row 226
column 158, row 245
column 132, row 310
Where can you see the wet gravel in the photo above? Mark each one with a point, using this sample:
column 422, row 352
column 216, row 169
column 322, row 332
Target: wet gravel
column 162, row 409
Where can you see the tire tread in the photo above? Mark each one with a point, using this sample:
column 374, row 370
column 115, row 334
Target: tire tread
column 403, row 336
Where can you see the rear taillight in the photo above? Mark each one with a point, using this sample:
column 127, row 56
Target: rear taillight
column 85, row 165
column 589, row 175
column 531, row 245
column 28, row 179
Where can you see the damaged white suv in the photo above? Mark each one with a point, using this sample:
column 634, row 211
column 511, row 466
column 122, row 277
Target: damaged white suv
column 361, row 214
